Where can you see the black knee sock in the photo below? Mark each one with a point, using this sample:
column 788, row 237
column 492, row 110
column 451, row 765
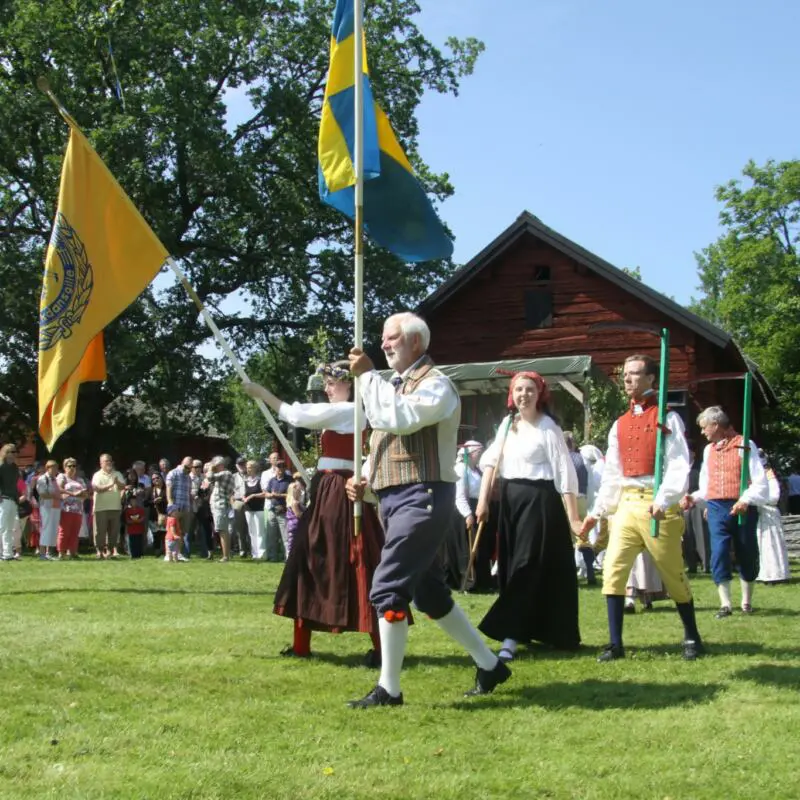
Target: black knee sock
column 616, row 613
column 686, row 611
column 588, row 559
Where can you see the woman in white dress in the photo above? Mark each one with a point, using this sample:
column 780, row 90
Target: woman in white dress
column 773, row 557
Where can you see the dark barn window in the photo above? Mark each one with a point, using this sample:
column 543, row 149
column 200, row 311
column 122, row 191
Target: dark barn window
column 538, row 308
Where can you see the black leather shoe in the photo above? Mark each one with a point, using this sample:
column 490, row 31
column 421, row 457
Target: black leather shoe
column 372, row 659
column 377, row 697
column 487, row 680
column 289, row 652
column 692, row 649
column 630, row 608
column 725, row 611
column 612, row 652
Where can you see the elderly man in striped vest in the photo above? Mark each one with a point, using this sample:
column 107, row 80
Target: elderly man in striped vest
column 415, row 419
column 720, row 483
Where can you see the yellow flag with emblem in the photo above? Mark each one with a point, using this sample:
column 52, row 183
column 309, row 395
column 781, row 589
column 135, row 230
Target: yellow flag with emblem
column 101, row 257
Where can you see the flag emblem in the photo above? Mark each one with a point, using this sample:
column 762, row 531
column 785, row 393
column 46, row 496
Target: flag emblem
column 67, row 287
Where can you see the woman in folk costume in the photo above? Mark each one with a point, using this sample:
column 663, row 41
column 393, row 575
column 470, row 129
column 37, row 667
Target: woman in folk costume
column 456, row 548
column 773, row 556
column 538, row 513
column 328, row 574
column 644, row 584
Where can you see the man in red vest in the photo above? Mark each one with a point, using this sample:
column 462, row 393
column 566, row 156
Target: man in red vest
column 626, row 492
column 720, row 482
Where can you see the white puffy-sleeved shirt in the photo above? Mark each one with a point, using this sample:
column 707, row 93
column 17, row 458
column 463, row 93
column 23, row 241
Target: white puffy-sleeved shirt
column 534, row 451
column 468, row 486
column 756, row 494
column 336, row 417
column 774, row 488
column 673, row 483
column 435, row 401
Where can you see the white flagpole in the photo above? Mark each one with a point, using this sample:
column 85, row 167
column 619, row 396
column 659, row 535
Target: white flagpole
column 237, row 365
column 358, row 311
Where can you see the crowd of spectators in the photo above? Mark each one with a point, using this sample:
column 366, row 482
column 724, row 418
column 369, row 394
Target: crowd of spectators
column 55, row 511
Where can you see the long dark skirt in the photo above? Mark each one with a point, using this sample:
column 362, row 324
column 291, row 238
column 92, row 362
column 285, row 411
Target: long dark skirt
column 328, row 574
column 536, row 568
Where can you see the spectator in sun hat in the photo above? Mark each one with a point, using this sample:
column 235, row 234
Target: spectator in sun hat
column 73, row 493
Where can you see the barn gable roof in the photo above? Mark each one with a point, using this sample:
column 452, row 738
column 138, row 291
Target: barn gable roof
column 527, row 223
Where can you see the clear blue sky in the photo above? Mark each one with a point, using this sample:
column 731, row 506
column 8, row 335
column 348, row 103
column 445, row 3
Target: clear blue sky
column 612, row 120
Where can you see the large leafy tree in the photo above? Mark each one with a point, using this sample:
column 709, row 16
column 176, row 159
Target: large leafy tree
column 750, row 278
column 235, row 201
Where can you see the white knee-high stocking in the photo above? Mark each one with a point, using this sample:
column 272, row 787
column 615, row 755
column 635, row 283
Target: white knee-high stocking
column 456, row 624
column 394, row 636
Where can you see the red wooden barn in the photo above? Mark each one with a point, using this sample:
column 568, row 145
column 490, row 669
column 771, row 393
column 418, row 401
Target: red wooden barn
column 533, row 293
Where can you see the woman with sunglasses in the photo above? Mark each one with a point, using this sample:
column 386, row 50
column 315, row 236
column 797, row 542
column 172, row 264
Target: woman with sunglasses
column 9, row 500
column 73, row 493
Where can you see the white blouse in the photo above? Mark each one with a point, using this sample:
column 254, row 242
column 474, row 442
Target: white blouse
column 467, row 488
column 337, row 417
column 318, row 416
column 535, row 451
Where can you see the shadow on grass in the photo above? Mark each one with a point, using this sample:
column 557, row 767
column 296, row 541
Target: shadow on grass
column 410, row 661
column 775, row 612
column 784, row 677
column 595, row 695
column 136, row 590
column 720, row 649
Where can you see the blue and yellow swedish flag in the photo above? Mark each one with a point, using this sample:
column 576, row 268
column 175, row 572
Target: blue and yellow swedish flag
column 397, row 213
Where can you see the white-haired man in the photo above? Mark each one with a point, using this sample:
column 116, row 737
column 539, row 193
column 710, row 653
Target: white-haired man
column 222, row 486
column 414, row 418
column 720, row 484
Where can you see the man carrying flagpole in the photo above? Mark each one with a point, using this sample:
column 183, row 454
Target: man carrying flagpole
column 415, row 419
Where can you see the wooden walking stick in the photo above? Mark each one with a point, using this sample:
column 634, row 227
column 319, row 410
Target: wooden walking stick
column 474, row 549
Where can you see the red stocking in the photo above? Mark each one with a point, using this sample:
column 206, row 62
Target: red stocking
column 302, row 639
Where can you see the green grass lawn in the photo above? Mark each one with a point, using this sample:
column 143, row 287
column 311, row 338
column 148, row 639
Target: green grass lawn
column 153, row 680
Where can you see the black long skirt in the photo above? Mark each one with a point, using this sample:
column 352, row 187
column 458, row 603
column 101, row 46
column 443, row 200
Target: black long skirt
column 328, row 575
column 538, row 598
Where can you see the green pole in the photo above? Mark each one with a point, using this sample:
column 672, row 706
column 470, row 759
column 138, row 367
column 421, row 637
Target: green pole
column 662, row 421
column 746, row 424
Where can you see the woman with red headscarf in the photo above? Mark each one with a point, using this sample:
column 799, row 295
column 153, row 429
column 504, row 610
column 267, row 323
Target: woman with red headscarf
column 538, row 597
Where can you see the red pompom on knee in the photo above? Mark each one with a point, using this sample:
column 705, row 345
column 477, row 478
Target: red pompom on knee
column 394, row 616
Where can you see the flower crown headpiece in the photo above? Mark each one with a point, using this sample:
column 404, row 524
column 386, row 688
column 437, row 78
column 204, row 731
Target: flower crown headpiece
column 338, row 370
